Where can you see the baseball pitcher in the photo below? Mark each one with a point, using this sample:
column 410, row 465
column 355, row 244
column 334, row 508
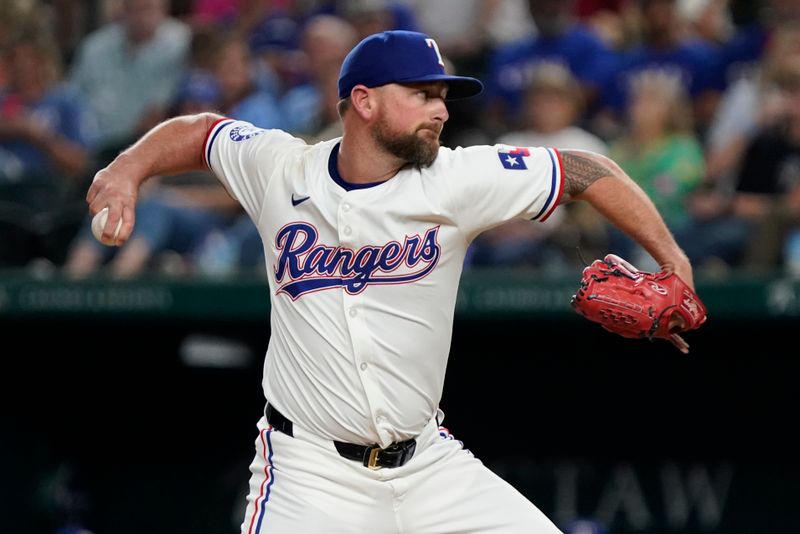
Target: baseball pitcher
column 364, row 238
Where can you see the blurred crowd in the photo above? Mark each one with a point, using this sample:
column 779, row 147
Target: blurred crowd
column 697, row 100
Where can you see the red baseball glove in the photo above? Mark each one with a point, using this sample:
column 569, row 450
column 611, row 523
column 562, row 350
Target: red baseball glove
column 638, row 304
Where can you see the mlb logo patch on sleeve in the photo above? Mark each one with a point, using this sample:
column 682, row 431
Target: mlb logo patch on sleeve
column 513, row 157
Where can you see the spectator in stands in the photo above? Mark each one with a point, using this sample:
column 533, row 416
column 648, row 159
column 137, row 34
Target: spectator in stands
column 220, row 13
column 372, row 16
column 708, row 20
column 17, row 17
column 742, row 54
column 665, row 46
column 553, row 103
column 751, row 105
column 614, row 21
column 560, row 39
column 241, row 16
column 586, row 9
column 326, row 40
column 768, row 190
column 748, row 103
column 465, row 38
column 130, row 70
column 330, row 123
column 510, row 21
column 241, row 97
column 46, row 127
column 274, row 42
column 46, row 134
column 659, row 151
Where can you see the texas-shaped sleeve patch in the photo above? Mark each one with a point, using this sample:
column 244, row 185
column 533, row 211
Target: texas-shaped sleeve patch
column 513, row 158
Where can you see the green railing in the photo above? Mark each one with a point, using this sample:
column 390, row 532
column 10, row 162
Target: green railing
column 486, row 293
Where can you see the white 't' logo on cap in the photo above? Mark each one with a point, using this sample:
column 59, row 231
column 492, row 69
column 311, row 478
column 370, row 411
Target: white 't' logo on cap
column 432, row 44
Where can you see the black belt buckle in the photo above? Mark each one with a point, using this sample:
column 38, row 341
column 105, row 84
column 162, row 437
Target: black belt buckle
column 394, row 455
column 373, row 457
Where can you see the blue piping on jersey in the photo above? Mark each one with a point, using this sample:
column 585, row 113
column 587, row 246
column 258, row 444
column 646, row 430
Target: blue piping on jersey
column 269, row 484
column 333, row 170
column 552, row 186
column 220, row 126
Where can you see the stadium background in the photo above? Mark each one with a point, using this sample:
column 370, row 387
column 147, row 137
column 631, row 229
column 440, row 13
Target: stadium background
column 129, row 405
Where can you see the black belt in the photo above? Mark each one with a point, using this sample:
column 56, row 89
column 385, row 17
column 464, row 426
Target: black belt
column 372, row 456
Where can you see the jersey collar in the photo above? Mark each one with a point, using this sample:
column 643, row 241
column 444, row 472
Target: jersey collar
column 333, row 170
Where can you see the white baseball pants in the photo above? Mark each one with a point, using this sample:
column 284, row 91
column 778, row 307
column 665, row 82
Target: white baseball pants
column 301, row 485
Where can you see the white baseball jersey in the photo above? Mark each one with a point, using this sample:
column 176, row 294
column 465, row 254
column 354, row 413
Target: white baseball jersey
column 364, row 278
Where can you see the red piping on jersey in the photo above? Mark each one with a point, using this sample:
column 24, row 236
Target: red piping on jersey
column 266, row 462
column 560, row 186
column 205, row 143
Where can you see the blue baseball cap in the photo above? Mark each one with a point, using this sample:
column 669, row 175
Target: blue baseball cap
column 400, row 57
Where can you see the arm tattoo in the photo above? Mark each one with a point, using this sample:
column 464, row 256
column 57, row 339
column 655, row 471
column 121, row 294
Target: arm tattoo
column 580, row 172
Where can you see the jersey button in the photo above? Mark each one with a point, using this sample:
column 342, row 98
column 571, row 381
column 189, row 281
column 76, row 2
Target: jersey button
column 353, row 312
column 347, row 230
column 363, row 366
column 380, row 419
column 345, row 207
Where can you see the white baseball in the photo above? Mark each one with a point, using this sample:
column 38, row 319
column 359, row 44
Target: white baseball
column 99, row 222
